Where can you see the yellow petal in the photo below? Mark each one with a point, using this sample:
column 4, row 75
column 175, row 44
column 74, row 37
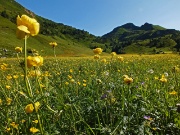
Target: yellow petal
column 34, row 28
column 23, row 28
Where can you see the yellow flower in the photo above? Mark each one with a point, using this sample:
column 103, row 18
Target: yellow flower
column 34, row 61
column 113, row 54
column 69, row 76
column 78, row 83
column 84, row 81
column 120, row 58
column 96, row 57
column 70, row 70
column 37, row 106
column 173, row 92
column 35, row 121
column 8, row 100
column 103, row 60
column 8, row 129
column 53, row 44
column 66, row 83
column 8, row 87
column 14, row 125
column 163, row 79
column 97, row 51
column 18, row 49
column 125, row 76
column 0, row 101
column 9, row 77
column 84, row 84
column 34, row 73
column 127, row 79
column 72, row 80
column 15, row 76
column 156, row 78
column 33, row 130
column 26, row 25
column 22, row 121
column 3, row 67
column 29, row 108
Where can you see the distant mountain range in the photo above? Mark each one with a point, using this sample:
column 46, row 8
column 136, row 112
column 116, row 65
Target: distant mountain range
column 127, row 38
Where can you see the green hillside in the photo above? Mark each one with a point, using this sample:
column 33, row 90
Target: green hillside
column 127, row 38
column 71, row 41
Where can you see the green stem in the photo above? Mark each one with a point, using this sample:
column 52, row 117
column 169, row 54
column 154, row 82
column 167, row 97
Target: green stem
column 25, row 58
column 25, row 68
column 56, row 58
column 40, row 125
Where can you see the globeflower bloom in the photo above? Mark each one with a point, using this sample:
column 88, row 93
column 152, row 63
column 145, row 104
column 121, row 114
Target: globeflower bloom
column 8, row 101
column 120, row 58
column 127, row 79
column 96, row 57
column 37, row 106
column 104, row 60
column 173, row 92
column 163, row 79
column 29, row 108
column 18, row 49
column 33, row 130
column 34, row 61
column 53, row 44
column 113, row 54
column 26, row 26
column 97, row 51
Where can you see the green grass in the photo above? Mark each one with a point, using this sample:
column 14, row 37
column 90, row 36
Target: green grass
column 80, row 95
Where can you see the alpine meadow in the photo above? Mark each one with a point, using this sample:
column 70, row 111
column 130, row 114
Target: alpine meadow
column 59, row 80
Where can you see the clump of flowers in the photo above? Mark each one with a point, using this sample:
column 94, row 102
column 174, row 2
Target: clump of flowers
column 14, row 125
column 3, row 66
column 120, row 58
column 30, row 107
column 8, row 101
column 96, row 57
column 34, row 73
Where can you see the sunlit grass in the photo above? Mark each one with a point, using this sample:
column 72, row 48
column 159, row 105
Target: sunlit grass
column 81, row 95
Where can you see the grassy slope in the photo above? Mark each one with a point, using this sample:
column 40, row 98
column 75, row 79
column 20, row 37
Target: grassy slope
column 9, row 41
column 66, row 46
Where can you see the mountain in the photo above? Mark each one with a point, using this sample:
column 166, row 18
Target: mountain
column 147, row 38
column 128, row 38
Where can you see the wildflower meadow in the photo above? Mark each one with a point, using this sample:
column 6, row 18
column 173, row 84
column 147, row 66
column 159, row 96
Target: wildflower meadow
column 97, row 95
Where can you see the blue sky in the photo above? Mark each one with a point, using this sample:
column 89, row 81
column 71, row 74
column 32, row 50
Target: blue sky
column 99, row 17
